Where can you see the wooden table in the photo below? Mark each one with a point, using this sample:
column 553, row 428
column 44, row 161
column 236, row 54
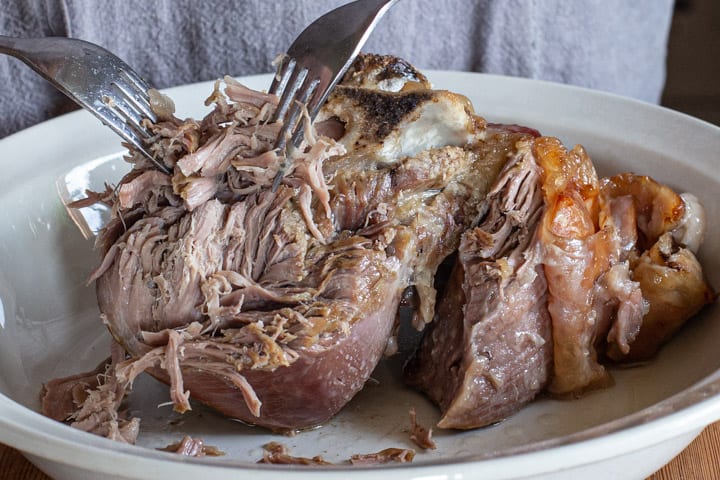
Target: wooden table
column 701, row 460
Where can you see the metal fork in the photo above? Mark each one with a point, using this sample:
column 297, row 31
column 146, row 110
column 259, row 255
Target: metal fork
column 315, row 63
column 95, row 79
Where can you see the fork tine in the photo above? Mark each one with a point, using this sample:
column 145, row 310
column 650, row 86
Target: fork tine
column 132, row 76
column 136, row 92
column 291, row 126
column 293, row 109
column 324, row 50
column 305, row 93
column 282, row 75
column 135, row 109
column 110, row 116
column 116, row 117
column 130, row 117
column 95, row 79
column 292, row 86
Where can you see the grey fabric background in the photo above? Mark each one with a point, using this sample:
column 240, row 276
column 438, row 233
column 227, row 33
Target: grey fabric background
column 613, row 45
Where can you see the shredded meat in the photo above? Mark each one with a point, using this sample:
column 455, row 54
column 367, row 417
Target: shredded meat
column 91, row 401
column 230, row 290
column 273, row 303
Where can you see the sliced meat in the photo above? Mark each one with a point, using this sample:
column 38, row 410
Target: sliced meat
column 619, row 306
column 488, row 351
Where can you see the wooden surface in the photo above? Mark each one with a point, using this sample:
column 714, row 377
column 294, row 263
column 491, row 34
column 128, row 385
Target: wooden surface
column 701, row 460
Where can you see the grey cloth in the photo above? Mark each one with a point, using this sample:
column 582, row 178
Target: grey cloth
column 613, row 45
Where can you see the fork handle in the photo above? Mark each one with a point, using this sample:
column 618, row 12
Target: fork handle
column 13, row 47
column 8, row 45
column 40, row 53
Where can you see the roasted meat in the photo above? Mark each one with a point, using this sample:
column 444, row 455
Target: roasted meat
column 561, row 272
column 575, row 255
column 489, row 349
column 274, row 305
column 658, row 251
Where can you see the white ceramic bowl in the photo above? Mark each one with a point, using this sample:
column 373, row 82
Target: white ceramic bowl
column 49, row 323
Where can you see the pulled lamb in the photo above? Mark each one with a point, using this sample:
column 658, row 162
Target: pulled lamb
column 274, row 305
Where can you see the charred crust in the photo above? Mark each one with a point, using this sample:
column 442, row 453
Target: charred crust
column 385, row 111
column 382, row 67
column 399, row 68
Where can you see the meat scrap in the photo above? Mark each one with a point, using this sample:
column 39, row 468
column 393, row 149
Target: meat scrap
column 61, row 396
column 92, row 401
column 277, row 453
column 422, row 436
column 399, row 455
column 192, row 447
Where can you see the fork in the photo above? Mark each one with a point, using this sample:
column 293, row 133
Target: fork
column 315, row 63
column 95, row 79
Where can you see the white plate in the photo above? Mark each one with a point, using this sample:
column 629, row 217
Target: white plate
column 49, row 324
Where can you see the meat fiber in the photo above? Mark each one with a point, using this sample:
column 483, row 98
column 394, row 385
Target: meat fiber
column 91, row 401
